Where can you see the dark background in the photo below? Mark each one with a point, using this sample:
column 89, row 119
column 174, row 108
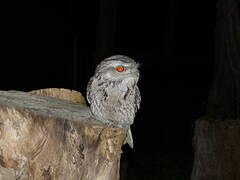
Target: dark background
column 58, row 44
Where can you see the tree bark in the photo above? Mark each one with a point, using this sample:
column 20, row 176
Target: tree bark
column 224, row 99
column 45, row 138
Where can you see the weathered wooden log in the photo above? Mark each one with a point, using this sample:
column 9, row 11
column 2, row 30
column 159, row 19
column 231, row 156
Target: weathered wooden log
column 217, row 150
column 60, row 93
column 45, row 138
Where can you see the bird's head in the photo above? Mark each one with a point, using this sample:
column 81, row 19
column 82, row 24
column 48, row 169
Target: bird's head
column 118, row 68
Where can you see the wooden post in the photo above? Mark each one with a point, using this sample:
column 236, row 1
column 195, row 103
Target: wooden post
column 216, row 136
column 216, row 148
column 46, row 138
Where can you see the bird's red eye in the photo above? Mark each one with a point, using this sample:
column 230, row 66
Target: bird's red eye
column 120, row 68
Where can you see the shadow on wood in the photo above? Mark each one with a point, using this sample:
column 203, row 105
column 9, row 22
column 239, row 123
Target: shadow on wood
column 46, row 138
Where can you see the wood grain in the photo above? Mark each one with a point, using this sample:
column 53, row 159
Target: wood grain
column 45, row 138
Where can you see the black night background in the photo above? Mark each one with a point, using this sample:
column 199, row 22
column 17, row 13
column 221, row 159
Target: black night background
column 59, row 43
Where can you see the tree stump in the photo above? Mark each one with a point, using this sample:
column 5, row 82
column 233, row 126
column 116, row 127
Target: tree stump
column 217, row 150
column 46, row 138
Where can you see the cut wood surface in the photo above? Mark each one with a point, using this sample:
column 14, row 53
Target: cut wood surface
column 45, row 138
column 61, row 93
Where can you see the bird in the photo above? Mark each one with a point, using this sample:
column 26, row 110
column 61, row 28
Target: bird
column 113, row 93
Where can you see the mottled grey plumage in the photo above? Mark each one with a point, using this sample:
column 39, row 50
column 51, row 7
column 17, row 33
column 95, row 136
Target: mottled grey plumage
column 114, row 96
